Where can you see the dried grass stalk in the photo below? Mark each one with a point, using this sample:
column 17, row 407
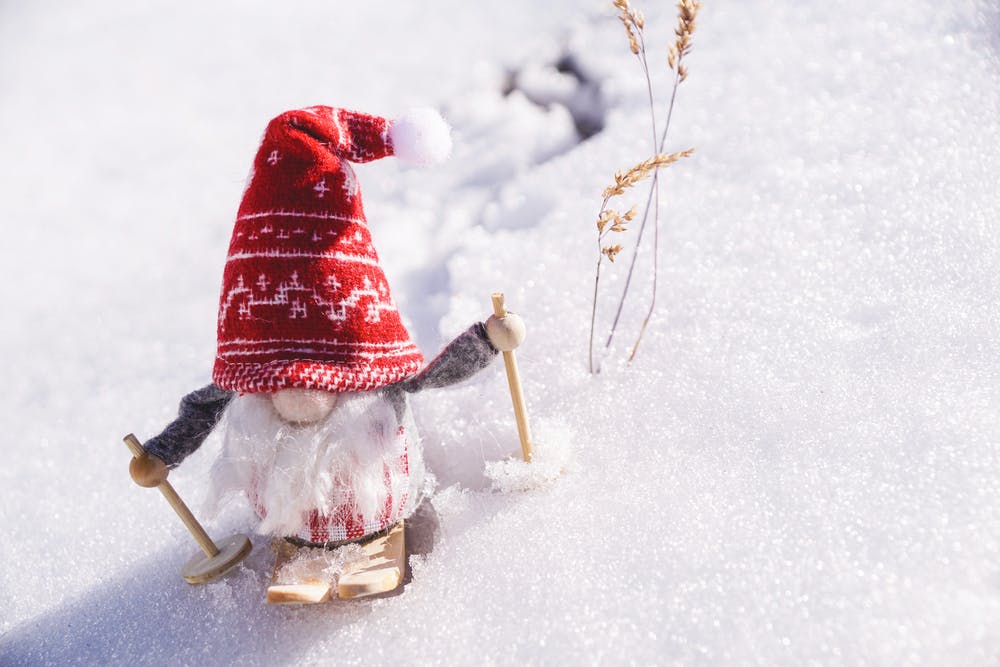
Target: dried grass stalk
column 610, row 221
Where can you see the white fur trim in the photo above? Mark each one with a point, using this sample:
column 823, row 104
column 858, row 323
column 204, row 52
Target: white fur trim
column 420, row 137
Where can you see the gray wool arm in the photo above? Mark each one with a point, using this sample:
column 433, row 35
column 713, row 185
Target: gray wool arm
column 198, row 414
column 462, row 358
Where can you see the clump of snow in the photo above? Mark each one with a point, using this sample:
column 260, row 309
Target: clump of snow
column 550, row 457
column 319, row 564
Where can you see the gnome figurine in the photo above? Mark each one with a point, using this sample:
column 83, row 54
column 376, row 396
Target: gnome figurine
column 314, row 366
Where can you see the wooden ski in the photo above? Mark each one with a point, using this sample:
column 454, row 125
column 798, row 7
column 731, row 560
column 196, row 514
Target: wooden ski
column 380, row 571
column 305, row 592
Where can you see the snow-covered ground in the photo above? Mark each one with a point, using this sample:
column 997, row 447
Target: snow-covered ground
column 802, row 465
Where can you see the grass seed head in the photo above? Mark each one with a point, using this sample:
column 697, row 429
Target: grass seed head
column 687, row 13
column 610, row 251
column 625, row 180
column 603, row 219
column 633, row 22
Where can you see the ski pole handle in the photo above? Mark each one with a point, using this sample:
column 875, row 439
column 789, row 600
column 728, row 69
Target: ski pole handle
column 514, row 382
column 199, row 534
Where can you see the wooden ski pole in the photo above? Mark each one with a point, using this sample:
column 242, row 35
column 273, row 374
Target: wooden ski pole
column 514, row 381
column 219, row 558
column 200, row 536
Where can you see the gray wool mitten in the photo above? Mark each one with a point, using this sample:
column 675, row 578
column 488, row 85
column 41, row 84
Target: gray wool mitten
column 198, row 414
column 462, row 358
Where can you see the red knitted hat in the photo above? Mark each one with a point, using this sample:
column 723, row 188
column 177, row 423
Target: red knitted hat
column 304, row 300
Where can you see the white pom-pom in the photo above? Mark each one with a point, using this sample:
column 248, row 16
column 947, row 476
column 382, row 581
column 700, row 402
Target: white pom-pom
column 420, row 137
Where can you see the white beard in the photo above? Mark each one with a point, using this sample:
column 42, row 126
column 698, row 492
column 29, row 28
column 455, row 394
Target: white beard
column 291, row 470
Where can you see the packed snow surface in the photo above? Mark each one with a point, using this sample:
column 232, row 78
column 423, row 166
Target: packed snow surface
column 800, row 467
